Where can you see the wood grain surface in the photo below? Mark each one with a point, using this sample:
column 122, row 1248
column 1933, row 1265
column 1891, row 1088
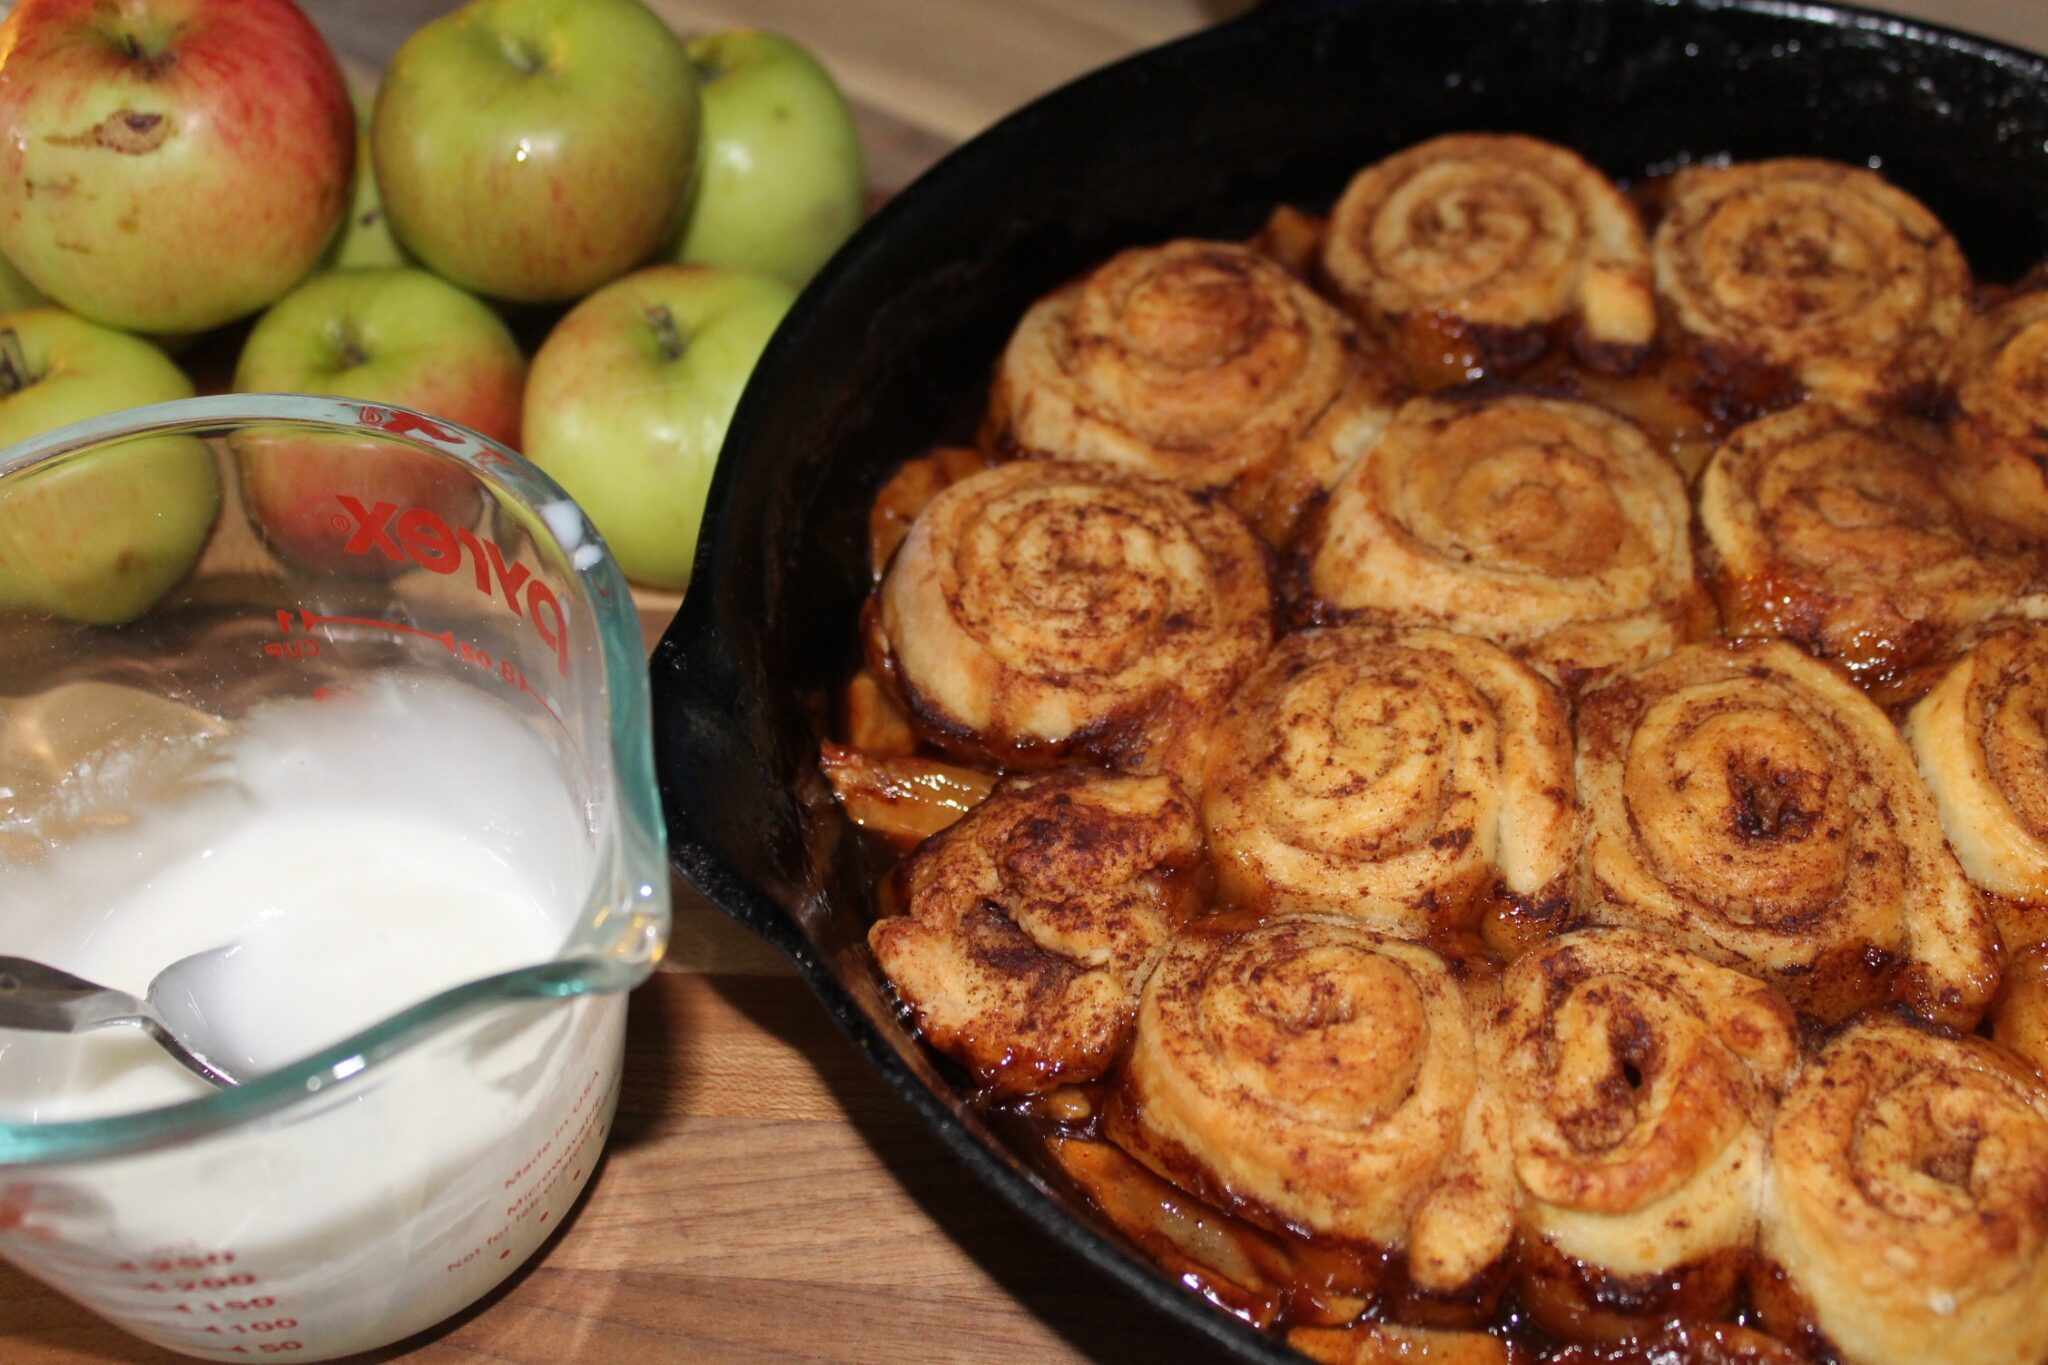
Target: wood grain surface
column 763, row 1198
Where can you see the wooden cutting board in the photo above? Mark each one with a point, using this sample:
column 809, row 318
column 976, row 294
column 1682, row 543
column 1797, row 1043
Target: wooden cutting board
column 763, row 1198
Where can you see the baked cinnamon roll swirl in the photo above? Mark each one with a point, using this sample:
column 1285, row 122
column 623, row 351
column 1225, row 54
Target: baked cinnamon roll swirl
column 1905, row 1212
column 1641, row 1080
column 1748, row 802
column 1475, row 251
column 2000, row 423
column 1043, row 610
column 1981, row 739
column 1030, row 925
column 1199, row 362
column 1800, row 275
column 1313, row 1075
column 1546, row 525
column 1843, row 537
column 1395, row 776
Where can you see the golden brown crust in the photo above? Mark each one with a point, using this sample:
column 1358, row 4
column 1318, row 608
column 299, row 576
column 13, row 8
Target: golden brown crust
column 1030, row 925
column 1546, row 525
column 1842, row 536
column 1204, row 363
column 1490, row 245
column 1906, row 1204
column 1981, row 740
column 1315, row 1075
column 2000, row 421
column 1044, row 610
column 1393, row 776
column 1748, row 802
column 1800, row 274
column 1640, row 1081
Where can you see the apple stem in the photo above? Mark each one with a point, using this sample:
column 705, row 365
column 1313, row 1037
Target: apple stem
column 525, row 57
column 14, row 372
column 667, row 336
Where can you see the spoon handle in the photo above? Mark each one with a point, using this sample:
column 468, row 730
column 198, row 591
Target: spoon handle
column 41, row 998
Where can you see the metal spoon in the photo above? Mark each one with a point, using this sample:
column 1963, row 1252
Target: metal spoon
column 43, row 999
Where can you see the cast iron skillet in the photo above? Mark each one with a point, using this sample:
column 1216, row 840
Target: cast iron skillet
column 890, row 349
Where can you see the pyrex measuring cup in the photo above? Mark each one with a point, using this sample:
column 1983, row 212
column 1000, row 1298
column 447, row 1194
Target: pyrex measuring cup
column 237, row 576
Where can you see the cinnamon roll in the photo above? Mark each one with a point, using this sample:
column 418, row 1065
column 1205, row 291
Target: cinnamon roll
column 1030, row 924
column 1546, row 525
column 1395, row 776
column 2000, row 422
column 1842, row 536
column 1641, row 1080
column 1905, row 1212
column 1314, row 1075
column 1748, row 802
column 1200, row 362
column 1799, row 275
column 1044, row 610
column 1477, row 250
column 1981, row 738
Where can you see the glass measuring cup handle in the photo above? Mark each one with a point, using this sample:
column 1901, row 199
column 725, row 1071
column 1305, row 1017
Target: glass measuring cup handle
column 41, row 999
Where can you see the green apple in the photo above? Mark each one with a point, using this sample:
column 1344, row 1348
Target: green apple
column 102, row 536
column 365, row 241
column 779, row 178
column 16, row 290
column 630, row 397
column 401, row 337
column 531, row 150
column 169, row 165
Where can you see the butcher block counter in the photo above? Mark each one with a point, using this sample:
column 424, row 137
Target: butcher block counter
column 763, row 1197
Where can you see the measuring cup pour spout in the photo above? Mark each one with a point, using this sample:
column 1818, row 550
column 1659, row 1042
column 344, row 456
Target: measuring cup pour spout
column 42, row 999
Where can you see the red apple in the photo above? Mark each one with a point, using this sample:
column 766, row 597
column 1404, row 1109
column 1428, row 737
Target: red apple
column 401, row 337
column 169, row 165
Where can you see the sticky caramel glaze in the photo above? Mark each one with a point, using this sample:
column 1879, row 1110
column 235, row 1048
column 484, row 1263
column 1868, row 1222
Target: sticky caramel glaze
column 1685, row 1343
column 1640, row 1081
column 1662, row 398
column 1204, row 363
column 1030, row 925
column 902, row 799
column 1842, row 536
column 1316, row 1077
column 1905, row 1212
column 1263, row 1278
column 1548, row 526
column 1384, row 1343
column 1808, row 273
column 1748, row 802
column 2000, row 417
column 1479, row 249
column 2019, row 1018
column 1981, row 740
column 1292, row 239
column 1045, row 611
column 1393, row 776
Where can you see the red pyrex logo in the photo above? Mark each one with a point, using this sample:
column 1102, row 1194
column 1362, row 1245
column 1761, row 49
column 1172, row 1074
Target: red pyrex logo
column 427, row 540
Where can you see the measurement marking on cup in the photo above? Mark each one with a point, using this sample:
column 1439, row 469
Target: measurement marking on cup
column 580, row 1127
column 210, row 1324
column 306, row 621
